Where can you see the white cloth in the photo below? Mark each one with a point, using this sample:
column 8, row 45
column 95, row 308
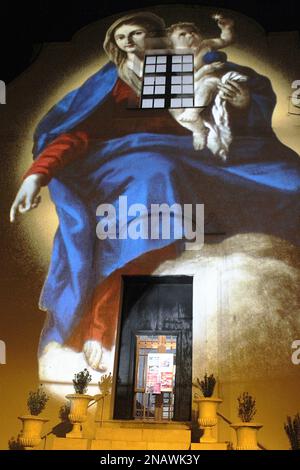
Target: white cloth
column 219, row 135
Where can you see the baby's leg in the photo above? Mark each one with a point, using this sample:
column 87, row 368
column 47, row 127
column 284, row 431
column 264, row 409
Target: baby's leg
column 197, row 127
column 199, row 134
column 189, row 115
column 205, row 90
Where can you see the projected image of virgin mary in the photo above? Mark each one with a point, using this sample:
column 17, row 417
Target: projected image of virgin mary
column 90, row 150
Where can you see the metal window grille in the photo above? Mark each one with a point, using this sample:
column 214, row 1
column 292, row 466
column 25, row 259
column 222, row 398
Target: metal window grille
column 168, row 81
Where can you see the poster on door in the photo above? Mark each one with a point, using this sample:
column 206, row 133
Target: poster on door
column 159, row 373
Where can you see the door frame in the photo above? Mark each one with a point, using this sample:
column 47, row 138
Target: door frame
column 152, row 279
column 178, row 335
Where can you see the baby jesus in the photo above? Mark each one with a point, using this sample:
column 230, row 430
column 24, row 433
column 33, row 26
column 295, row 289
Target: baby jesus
column 207, row 83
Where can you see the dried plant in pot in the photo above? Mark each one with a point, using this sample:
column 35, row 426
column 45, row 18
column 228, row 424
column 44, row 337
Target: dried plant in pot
column 246, row 429
column 30, row 435
column 246, row 407
column 64, row 412
column 15, row 444
column 105, row 384
column 64, row 426
column 103, row 399
column 207, row 407
column 79, row 402
column 81, row 381
column 207, row 385
column 292, row 429
column 37, row 401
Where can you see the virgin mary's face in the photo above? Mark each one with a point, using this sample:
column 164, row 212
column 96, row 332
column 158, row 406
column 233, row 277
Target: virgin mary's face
column 130, row 38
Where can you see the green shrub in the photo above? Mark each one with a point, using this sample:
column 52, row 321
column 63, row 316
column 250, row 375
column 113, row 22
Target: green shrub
column 37, row 401
column 81, row 381
column 64, row 412
column 14, row 444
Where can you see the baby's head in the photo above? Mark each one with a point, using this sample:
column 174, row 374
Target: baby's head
column 184, row 35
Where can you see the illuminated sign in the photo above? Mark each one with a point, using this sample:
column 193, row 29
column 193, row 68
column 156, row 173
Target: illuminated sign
column 160, row 373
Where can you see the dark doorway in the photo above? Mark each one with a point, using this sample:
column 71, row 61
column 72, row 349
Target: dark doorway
column 155, row 305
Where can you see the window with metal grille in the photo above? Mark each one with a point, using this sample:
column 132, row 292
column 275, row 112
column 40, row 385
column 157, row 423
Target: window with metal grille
column 168, row 81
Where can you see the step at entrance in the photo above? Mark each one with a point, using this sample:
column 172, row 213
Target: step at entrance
column 132, row 435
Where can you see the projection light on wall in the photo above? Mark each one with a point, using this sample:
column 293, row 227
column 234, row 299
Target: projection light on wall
column 168, row 81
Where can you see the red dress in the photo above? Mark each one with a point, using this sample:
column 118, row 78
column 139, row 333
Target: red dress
column 110, row 120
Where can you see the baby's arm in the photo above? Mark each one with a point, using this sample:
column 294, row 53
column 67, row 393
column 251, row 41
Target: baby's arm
column 227, row 35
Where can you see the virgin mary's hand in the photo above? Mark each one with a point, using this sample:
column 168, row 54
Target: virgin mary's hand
column 235, row 93
column 28, row 196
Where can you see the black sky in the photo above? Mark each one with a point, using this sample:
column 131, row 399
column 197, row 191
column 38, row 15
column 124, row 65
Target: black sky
column 26, row 25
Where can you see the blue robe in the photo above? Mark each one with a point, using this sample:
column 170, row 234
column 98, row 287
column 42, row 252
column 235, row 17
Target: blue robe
column 256, row 190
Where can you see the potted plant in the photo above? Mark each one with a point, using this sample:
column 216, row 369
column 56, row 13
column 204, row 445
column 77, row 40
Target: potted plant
column 14, row 444
column 30, row 435
column 207, row 407
column 64, row 426
column 103, row 400
column 105, row 384
column 246, row 430
column 79, row 403
column 292, row 429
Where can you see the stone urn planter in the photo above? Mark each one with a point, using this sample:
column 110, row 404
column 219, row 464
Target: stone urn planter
column 246, row 429
column 207, row 417
column 78, row 412
column 246, row 435
column 30, row 435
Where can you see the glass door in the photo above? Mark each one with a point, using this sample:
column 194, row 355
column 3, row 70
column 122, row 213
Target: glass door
column 155, row 374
